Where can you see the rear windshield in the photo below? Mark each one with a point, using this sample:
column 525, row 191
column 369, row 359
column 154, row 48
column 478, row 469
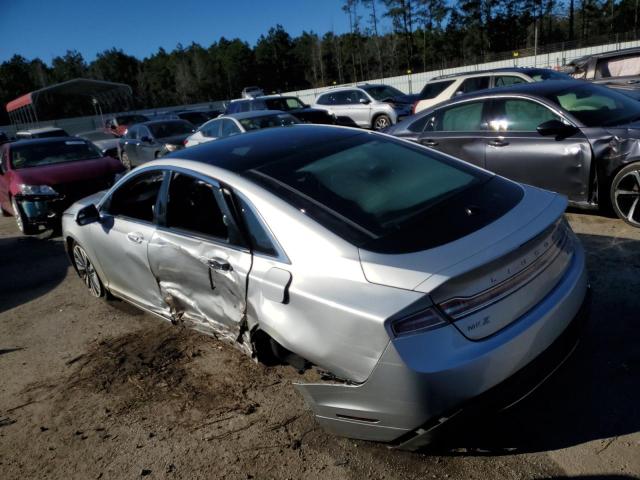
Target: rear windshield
column 284, row 103
column 268, row 121
column 169, row 129
column 372, row 185
column 49, row 153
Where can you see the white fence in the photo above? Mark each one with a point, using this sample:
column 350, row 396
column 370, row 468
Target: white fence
column 413, row 83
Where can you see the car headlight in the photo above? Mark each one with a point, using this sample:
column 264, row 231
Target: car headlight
column 37, row 190
column 170, row 147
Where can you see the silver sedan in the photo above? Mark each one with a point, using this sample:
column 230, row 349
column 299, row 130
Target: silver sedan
column 416, row 282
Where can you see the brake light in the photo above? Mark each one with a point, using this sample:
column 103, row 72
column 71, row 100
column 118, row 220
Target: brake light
column 184, row 142
column 427, row 319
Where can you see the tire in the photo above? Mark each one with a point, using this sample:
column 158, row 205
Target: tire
column 23, row 226
column 126, row 161
column 381, row 122
column 87, row 271
column 625, row 194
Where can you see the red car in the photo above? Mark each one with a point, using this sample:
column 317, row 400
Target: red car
column 40, row 178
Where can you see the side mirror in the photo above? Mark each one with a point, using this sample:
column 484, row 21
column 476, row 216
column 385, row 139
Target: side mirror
column 365, row 101
column 146, row 140
column 556, row 128
column 87, row 215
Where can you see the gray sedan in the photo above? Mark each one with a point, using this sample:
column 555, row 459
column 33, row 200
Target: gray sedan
column 415, row 282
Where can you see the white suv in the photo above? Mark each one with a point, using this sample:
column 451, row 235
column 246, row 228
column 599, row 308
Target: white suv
column 441, row 89
column 355, row 106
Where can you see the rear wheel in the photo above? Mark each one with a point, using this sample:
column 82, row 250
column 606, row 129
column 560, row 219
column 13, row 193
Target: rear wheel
column 21, row 219
column 625, row 194
column 87, row 271
column 381, row 121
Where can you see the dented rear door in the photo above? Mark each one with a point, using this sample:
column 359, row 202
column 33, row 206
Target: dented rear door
column 200, row 269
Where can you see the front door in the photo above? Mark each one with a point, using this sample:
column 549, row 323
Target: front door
column 517, row 151
column 123, row 236
column 198, row 260
column 147, row 146
column 458, row 130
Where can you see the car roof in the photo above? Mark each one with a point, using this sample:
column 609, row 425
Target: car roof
column 611, row 53
column 268, row 97
column 240, row 153
column 339, row 89
column 35, row 141
column 40, row 130
column 252, row 114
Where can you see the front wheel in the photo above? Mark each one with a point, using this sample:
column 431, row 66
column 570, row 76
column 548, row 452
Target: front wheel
column 381, row 122
column 87, row 271
column 625, row 194
column 21, row 220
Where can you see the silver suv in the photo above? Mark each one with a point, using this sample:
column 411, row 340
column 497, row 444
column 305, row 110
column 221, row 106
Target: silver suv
column 354, row 106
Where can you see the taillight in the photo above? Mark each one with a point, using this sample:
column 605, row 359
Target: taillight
column 426, row 319
column 184, row 142
column 413, row 107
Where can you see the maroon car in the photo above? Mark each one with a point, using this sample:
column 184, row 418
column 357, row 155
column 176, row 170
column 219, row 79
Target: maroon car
column 40, row 178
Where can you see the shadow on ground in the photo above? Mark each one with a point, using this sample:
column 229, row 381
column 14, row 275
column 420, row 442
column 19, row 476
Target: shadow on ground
column 595, row 394
column 31, row 267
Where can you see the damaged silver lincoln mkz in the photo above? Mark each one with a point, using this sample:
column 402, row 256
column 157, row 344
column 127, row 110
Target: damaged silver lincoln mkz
column 417, row 282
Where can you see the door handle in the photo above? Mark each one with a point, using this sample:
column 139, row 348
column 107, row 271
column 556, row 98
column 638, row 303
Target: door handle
column 429, row 143
column 135, row 237
column 221, row 265
column 498, row 142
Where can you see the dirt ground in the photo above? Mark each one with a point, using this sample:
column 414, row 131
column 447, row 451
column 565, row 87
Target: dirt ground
column 91, row 390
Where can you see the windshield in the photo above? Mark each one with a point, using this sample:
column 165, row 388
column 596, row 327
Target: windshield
column 131, row 119
column 169, row 129
column 544, row 74
column 49, row 153
column 596, row 106
column 285, row 103
column 373, row 184
column 268, row 121
column 382, row 92
column 97, row 136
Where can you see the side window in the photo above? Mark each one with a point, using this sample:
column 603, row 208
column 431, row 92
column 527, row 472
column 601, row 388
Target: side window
column 229, row 128
column 344, row 98
column 293, row 103
column 507, row 80
column 521, row 116
column 136, row 199
column 144, row 132
column 473, row 84
column 324, row 100
column 419, row 125
column 212, row 130
column 258, row 105
column 460, row 118
column 233, row 107
column 192, row 206
column 260, row 239
column 244, row 106
column 432, row 90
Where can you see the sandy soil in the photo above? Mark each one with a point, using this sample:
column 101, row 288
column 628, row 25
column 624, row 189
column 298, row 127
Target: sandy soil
column 92, row 389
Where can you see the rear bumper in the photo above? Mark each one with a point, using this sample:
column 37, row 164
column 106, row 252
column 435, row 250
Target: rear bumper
column 423, row 380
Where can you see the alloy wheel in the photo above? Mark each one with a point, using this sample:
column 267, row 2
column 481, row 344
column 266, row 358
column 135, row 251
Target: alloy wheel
column 381, row 122
column 87, row 271
column 627, row 196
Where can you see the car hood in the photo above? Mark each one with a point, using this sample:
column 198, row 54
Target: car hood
column 427, row 269
column 68, row 172
column 175, row 139
column 107, row 144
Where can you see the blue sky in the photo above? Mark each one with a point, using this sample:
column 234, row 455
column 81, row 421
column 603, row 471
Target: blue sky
column 47, row 28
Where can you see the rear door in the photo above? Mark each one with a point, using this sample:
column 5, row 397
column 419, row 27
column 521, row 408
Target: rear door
column 198, row 258
column 517, row 151
column 458, row 130
column 349, row 110
column 229, row 128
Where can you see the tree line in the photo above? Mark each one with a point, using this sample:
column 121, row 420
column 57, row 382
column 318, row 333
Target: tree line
column 385, row 38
